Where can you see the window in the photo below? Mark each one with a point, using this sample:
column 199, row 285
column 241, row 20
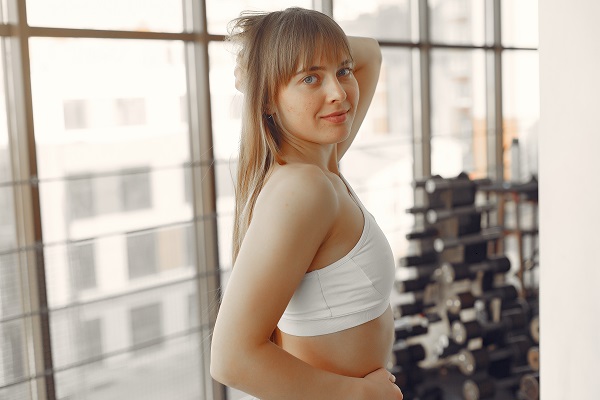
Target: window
column 146, row 327
column 130, row 112
column 89, row 342
column 141, row 255
column 80, row 194
column 76, row 114
column 83, row 269
column 136, row 193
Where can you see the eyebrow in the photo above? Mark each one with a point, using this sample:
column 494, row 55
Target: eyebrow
column 320, row 68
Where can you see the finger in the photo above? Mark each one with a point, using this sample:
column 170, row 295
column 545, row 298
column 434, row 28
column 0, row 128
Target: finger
column 392, row 378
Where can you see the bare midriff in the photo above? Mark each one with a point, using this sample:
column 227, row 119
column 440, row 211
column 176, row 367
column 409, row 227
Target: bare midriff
column 352, row 352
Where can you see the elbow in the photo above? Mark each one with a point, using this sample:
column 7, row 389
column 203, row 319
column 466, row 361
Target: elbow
column 220, row 368
column 225, row 364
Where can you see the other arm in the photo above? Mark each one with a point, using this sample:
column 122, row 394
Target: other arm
column 367, row 64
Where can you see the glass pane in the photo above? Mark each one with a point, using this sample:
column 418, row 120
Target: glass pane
column 226, row 107
column 170, row 371
column 8, row 238
column 520, row 23
column 220, row 12
column 457, row 21
column 21, row 391
column 379, row 165
column 382, row 19
column 115, row 264
column 149, row 15
column 458, row 116
column 105, row 105
column 521, row 109
column 13, row 352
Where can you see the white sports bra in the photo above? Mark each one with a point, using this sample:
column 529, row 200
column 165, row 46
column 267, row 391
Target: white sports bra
column 351, row 291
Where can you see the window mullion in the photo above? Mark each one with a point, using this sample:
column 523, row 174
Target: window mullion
column 204, row 186
column 27, row 202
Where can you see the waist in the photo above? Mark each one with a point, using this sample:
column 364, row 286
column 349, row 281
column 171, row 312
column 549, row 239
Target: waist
column 352, row 352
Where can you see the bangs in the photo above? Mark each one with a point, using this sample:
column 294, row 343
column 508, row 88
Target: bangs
column 304, row 40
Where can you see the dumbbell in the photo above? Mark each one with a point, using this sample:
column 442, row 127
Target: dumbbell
column 485, row 387
column 446, row 347
column 461, row 301
column 533, row 358
column 529, row 387
column 402, row 310
column 413, row 375
column 471, row 361
column 428, row 233
column 441, row 244
column 490, row 332
column 408, row 354
column 451, row 272
column 414, row 278
column 421, row 259
column 435, row 215
column 404, row 331
column 534, row 329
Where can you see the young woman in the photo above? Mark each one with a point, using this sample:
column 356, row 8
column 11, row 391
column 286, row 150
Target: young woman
column 306, row 312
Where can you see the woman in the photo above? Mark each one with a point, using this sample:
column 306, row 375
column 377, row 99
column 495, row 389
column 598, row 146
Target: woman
column 306, row 312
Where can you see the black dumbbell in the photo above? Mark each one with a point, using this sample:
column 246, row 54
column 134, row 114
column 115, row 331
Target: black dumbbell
column 451, row 272
column 471, row 361
column 404, row 331
column 486, row 235
column 407, row 355
column 435, row 215
column 533, row 358
column 485, row 387
column 421, row 259
column 529, row 388
column 490, row 332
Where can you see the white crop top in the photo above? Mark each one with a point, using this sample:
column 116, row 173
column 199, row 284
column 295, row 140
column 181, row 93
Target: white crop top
column 351, row 291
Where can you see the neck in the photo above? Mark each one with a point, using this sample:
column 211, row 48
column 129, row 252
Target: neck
column 322, row 155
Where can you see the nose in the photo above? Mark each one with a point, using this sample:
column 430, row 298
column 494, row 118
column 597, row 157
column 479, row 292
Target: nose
column 335, row 90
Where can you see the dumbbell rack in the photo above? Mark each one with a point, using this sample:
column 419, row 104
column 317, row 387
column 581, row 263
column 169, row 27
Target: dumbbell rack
column 465, row 331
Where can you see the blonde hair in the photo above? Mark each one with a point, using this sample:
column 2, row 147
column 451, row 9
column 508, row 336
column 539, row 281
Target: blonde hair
column 272, row 47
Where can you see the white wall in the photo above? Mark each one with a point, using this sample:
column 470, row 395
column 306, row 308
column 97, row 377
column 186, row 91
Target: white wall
column 570, row 199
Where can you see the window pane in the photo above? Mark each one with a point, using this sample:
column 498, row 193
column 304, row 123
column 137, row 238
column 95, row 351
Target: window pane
column 457, row 21
column 379, row 165
column 170, row 371
column 149, row 15
column 226, row 107
column 107, row 104
column 129, row 345
column 146, row 325
column 7, row 210
column 220, row 12
column 458, row 134
column 521, row 110
column 520, row 23
column 141, row 255
column 82, row 259
column 382, row 19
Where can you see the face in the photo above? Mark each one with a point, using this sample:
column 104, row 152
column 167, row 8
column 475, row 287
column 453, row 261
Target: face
column 319, row 103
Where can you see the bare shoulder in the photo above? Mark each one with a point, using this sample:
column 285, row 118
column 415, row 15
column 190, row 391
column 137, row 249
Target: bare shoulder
column 299, row 189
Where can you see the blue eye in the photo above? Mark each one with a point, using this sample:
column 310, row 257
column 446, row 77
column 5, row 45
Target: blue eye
column 344, row 72
column 310, row 79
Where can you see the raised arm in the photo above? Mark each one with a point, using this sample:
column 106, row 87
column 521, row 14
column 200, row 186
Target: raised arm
column 291, row 219
column 367, row 60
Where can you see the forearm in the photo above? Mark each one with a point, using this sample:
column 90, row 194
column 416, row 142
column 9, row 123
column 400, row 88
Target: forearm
column 367, row 65
column 270, row 373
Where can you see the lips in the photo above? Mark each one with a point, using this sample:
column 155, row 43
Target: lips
column 336, row 117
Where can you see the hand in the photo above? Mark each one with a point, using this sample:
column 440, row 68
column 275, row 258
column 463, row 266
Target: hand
column 240, row 74
column 383, row 386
